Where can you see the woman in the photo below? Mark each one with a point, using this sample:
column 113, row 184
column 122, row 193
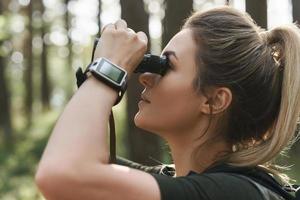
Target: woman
column 230, row 100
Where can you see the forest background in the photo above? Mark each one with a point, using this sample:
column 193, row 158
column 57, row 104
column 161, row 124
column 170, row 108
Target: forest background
column 42, row 43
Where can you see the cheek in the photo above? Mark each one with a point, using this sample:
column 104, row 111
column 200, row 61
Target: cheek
column 179, row 113
column 172, row 110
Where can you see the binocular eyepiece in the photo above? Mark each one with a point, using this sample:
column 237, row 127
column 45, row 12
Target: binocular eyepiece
column 154, row 64
column 150, row 63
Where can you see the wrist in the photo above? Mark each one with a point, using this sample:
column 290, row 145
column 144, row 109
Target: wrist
column 98, row 87
column 111, row 74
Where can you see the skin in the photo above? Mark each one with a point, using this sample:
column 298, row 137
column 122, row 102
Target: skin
column 75, row 164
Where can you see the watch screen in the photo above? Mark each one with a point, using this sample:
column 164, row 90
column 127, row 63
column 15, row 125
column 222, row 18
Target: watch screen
column 111, row 72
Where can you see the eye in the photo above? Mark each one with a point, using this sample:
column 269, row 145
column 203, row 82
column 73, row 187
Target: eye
column 169, row 67
column 169, row 63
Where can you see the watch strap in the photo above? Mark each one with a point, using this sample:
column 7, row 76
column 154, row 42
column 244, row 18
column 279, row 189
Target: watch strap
column 82, row 76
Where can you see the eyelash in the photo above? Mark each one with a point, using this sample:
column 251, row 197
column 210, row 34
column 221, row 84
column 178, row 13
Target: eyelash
column 169, row 62
column 171, row 67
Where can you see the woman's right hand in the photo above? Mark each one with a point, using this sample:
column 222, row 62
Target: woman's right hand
column 121, row 45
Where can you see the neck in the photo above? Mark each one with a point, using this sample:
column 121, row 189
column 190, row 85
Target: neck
column 190, row 154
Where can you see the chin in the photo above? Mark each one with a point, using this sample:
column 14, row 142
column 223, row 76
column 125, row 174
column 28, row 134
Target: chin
column 138, row 121
column 141, row 123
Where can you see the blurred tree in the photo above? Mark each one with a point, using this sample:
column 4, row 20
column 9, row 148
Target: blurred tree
column 175, row 13
column 28, row 68
column 296, row 10
column 258, row 11
column 141, row 144
column 5, row 114
column 69, row 64
column 67, row 24
column 99, row 18
column 5, row 109
column 45, row 84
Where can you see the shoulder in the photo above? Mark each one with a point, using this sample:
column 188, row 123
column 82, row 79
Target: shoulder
column 212, row 186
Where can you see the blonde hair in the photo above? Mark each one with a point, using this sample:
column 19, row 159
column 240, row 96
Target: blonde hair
column 262, row 69
column 282, row 134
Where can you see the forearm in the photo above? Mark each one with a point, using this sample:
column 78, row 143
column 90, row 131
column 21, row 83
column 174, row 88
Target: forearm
column 80, row 134
column 75, row 162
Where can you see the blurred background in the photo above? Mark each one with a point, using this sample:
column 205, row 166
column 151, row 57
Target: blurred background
column 42, row 43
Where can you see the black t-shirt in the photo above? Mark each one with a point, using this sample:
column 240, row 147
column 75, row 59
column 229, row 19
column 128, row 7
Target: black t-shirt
column 221, row 182
column 207, row 186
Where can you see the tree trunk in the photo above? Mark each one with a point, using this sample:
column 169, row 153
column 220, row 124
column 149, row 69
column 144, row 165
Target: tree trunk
column 69, row 61
column 45, row 85
column 141, row 144
column 296, row 10
column 6, row 128
column 28, row 70
column 67, row 24
column 175, row 14
column 99, row 17
column 258, row 11
column 5, row 109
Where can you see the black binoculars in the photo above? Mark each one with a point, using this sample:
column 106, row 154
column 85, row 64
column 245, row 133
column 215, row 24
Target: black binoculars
column 150, row 63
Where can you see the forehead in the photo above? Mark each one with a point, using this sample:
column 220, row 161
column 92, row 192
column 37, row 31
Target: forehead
column 182, row 44
column 184, row 47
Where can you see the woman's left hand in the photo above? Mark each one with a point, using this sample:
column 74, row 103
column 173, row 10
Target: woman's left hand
column 121, row 45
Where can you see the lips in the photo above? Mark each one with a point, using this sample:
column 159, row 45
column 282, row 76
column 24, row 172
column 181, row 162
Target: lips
column 144, row 98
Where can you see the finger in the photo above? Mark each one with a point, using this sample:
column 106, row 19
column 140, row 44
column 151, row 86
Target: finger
column 108, row 26
column 130, row 30
column 142, row 36
column 121, row 24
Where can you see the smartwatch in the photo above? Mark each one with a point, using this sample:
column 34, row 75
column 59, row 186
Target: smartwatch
column 110, row 74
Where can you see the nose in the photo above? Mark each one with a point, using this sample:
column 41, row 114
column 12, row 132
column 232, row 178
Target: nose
column 147, row 79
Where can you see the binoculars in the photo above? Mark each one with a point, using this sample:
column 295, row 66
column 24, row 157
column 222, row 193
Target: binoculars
column 150, row 63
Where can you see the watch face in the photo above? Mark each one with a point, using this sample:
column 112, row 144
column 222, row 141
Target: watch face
column 110, row 71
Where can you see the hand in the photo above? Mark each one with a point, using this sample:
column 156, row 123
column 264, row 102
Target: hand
column 121, row 45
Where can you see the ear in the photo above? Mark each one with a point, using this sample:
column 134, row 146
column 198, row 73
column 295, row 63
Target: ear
column 216, row 101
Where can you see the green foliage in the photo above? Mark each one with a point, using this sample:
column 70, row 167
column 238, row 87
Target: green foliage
column 2, row 24
column 4, row 33
column 18, row 166
column 3, row 28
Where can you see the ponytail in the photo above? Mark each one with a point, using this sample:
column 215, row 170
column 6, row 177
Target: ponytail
column 283, row 133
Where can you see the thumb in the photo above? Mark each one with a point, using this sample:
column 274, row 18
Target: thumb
column 142, row 36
